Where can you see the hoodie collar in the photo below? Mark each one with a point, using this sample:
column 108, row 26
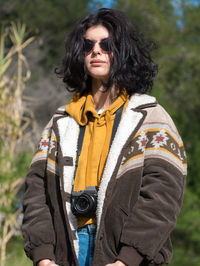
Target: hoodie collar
column 80, row 108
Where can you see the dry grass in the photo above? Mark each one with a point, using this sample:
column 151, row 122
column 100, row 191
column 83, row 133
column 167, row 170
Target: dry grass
column 16, row 124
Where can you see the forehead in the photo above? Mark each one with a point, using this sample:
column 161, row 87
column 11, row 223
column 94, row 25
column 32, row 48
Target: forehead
column 96, row 33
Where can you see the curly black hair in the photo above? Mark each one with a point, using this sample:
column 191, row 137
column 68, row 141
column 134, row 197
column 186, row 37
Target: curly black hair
column 132, row 66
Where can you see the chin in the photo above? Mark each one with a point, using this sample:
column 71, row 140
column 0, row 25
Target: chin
column 98, row 75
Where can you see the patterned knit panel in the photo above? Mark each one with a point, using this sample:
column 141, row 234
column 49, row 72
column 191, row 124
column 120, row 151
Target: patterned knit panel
column 154, row 141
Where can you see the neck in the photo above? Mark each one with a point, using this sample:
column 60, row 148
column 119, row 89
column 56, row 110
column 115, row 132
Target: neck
column 103, row 98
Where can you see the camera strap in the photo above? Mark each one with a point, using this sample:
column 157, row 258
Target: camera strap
column 116, row 123
column 82, row 133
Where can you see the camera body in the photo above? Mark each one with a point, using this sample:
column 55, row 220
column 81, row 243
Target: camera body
column 84, row 202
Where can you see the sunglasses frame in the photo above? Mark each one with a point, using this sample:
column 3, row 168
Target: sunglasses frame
column 104, row 45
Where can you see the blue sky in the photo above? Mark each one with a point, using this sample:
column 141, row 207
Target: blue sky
column 108, row 3
column 195, row 2
column 104, row 3
column 176, row 4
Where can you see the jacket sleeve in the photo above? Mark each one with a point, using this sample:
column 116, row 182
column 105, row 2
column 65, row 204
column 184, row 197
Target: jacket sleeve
column 37, row 228
column 149, row 224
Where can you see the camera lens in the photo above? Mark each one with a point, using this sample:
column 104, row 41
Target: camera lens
column 82, row 204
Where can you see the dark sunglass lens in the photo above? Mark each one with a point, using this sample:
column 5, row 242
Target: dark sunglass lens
column 88, row 45
column 105, row 45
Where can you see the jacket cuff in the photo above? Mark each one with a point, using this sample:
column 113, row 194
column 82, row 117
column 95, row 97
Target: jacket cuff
column 43, row 252
column 129, row 256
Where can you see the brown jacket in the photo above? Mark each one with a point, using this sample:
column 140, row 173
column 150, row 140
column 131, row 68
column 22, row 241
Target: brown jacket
column 139, row 198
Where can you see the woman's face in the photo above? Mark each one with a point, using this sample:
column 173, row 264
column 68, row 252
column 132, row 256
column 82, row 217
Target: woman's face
column 97, row 56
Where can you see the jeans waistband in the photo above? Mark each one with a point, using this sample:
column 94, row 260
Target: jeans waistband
column 89, row 228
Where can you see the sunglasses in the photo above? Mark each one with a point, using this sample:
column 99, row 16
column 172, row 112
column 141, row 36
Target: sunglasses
column 104, row 44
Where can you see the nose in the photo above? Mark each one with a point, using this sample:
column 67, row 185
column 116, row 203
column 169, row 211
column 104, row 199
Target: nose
column 96, row 48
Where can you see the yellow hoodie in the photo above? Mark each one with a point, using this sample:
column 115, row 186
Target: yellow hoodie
column 96, row 141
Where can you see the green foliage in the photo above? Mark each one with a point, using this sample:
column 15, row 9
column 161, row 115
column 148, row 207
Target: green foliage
column 11, row 192
column 151, row 16
column 18, row 33
column 183, row 257
column 4, row 60
column 186, row 238
column 9, row 200
column 51, row 20
column 188, row 225
column 16, row 255
column 19, row 165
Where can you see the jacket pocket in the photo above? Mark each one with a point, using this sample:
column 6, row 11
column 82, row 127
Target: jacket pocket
column 114, row 222
column 123, row 211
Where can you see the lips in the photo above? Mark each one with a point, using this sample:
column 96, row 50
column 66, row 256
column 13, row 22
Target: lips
column 97, row 62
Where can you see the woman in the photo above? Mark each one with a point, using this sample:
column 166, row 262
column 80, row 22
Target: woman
column 106, row 184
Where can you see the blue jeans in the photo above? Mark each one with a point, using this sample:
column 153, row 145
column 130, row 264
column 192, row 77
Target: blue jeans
column 86, row 237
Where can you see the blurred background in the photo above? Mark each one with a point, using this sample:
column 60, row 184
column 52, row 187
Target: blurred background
column 31, row 47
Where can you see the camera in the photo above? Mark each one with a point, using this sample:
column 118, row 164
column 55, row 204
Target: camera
column 84, row 202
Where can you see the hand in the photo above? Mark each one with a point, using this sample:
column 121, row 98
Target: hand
column 47, row 262
column 117, row 263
